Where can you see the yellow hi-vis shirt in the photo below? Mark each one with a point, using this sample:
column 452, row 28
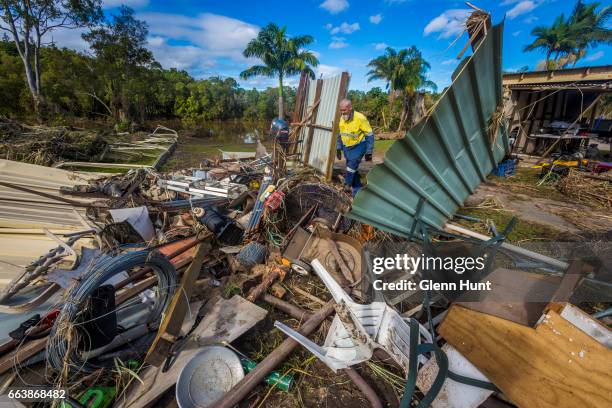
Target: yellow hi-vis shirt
column 355, row 130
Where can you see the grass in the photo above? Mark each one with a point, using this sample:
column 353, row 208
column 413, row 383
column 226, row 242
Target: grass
column 526, row 181
column 381, row 146
column 522, row 231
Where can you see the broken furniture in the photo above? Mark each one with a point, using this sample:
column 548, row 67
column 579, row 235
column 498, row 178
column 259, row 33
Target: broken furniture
column 357, row 330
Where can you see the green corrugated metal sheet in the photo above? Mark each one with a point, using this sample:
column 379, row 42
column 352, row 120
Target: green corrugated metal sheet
column 444, row 158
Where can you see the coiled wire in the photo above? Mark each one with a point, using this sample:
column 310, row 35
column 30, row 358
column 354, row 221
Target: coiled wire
column 62, row 353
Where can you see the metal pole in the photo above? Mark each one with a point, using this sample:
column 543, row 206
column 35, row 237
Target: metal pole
column 276, row 357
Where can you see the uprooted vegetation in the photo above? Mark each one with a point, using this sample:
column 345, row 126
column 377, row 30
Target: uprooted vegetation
column 46, row 146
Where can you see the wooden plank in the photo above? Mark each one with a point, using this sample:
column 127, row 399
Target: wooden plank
column 175, row 313
column 225, row 320
column 576, row 271
column 300, row 97
column 21, row 354
column 553, row 365
column 313, row 119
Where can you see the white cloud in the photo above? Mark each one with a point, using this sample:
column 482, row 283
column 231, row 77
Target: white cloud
column 327, row 71
column 182, row 57
column 380, row 46
column 530, row 19
column 344, row 28
column 129, row 3
column 448, row 24
column 595, row 56
column 516, row 33
column 156, row 41
column 449, row 62
column 68, row 38
column 218, row 35
column 375, row 19
column 338, row 42
column 522, row 7
column 335, row 6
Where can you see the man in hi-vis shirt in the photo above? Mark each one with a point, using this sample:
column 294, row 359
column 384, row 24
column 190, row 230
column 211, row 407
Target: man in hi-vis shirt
column 356, row 140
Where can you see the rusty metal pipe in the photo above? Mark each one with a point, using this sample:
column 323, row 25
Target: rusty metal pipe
column 276, row 357
column 301, row 314
column 364, row 387
column 292, row 310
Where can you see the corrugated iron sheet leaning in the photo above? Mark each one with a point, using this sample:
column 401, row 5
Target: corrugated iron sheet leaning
column 447, row 155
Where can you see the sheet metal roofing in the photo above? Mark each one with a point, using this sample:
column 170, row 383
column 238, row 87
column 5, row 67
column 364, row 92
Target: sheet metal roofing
column 446, row 155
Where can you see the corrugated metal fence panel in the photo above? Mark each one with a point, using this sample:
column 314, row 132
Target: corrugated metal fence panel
column 322, row 139
column 310, row 95
column 444, row 158
column 22, row 209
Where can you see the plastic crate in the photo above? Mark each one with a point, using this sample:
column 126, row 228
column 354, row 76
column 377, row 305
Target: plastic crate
column 506, row 168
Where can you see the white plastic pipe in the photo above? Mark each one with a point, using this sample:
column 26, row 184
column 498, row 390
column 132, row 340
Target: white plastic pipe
column 513, row 248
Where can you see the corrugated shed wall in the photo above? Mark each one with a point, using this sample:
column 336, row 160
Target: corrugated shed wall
column 323, row 139
column 444, row 157
column 318, row 150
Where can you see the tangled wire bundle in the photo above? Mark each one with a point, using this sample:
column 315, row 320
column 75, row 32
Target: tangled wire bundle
column 62, row 352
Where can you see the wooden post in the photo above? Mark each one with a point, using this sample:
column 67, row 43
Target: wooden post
column 174, row 314
column 276, row 357
column 300, row 97
column 313, row 120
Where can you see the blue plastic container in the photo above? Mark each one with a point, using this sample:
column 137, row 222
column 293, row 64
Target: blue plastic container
column 506, row 168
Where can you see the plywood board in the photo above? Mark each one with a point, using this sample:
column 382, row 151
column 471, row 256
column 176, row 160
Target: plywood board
column 554, row 364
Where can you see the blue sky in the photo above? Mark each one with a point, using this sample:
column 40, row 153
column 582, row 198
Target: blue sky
column 207, row 37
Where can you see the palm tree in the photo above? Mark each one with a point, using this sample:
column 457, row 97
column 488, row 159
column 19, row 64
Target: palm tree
column 389, row 68
column 560, row 38
column 415, row 82
column 404, row 72
column 590, row 28
column 282, row 56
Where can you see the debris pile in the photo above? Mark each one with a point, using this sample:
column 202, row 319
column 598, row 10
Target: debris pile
column 201, row 285
column 48, row 145
column 585, row 188
column 62, row 146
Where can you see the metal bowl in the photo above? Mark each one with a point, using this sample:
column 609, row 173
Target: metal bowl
column 210, row 374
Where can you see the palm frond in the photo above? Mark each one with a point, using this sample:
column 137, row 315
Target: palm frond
column 257, row 70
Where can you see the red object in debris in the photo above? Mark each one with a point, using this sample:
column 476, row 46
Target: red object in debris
column 274, row 201
column 49, row 318
column 602, row 167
